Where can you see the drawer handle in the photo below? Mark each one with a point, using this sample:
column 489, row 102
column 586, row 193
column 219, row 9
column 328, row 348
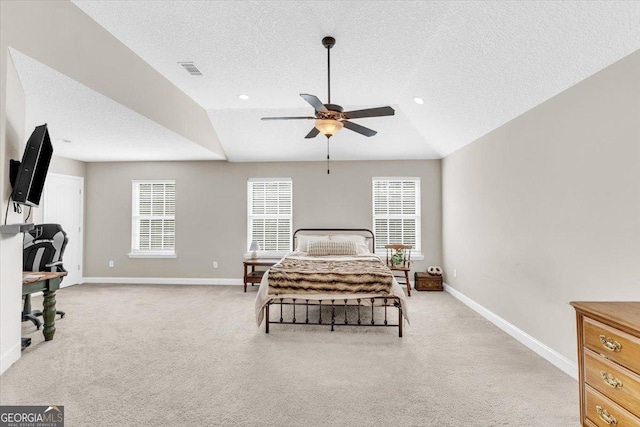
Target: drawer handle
column 610, row 344
column 606, row 417
column 610, row 380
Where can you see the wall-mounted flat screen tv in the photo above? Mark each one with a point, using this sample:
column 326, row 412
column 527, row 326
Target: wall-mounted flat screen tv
column 32, row 171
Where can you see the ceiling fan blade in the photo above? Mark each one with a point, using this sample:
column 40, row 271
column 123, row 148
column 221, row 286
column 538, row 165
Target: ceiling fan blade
column 313, row 133
column 288, row 118
column 357, row 128
column 370, row 112
column 315, row 102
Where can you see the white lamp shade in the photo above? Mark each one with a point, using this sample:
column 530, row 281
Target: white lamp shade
column 255, row 246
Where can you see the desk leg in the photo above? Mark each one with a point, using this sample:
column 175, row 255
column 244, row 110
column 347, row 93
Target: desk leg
column 245, row 277
column 49, row 314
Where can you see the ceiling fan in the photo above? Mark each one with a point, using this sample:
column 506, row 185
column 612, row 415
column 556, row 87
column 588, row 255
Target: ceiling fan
column 330, row 118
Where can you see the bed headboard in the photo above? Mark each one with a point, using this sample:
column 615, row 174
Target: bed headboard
column 368, row 234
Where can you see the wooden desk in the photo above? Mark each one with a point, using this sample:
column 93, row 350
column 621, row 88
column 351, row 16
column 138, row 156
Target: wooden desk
column 48, row 283
column 254, row 276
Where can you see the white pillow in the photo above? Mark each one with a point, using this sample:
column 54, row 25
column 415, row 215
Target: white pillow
column 361, row 241
column 302, row 240
column 327, row 247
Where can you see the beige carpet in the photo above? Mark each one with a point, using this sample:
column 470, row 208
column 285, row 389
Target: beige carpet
column 142, row 355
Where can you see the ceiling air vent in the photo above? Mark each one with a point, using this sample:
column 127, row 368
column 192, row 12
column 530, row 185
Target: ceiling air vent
column 191, row 68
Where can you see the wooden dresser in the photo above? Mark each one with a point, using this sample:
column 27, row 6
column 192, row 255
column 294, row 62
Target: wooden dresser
column 609, row 363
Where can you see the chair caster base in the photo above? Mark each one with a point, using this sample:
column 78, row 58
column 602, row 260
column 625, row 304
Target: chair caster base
column 24, row 343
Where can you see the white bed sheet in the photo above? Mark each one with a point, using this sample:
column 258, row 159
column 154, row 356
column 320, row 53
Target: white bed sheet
column 263, row 291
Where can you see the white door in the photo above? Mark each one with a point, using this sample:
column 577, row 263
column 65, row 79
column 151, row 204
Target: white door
column 63, row 204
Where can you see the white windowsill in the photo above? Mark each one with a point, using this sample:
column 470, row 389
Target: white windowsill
column 152, row 255
column 265, row 254
column 416, row 256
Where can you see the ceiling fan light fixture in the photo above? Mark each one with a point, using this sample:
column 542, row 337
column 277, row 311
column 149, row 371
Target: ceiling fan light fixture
column 328, row 127
column 330, row 118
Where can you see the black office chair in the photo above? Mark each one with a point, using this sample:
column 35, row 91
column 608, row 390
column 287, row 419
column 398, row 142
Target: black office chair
column 42, row 251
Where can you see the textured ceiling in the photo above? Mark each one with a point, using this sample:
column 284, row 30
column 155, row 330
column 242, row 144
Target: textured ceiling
column 98, row 128
column 476, row 64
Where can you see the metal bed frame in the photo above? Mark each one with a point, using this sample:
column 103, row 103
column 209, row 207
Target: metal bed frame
column 336, row 302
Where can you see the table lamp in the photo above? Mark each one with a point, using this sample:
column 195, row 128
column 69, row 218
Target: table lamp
column 255, row 247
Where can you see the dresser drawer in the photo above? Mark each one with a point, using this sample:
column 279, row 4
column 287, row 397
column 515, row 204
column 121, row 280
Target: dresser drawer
column 613, row 344
column 604, row 413
column 617, row 383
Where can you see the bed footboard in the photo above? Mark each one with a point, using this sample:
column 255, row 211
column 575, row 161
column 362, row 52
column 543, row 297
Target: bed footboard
column 350, row 312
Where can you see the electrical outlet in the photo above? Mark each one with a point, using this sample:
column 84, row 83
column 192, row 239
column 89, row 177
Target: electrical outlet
column 215, row 264
column 455, row 273
column 111, row 264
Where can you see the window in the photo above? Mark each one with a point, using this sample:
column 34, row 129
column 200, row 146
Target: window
column 153, row 231
column 270, row 213
column 396, row 212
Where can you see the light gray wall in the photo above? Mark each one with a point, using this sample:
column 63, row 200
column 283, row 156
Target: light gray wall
column 12, row 141
column 66, row 166
column 211, row 210
column 546, row 209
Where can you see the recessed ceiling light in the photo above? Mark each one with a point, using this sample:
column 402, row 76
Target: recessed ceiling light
column 66, row 141
column 243, row 97
column 418, row 100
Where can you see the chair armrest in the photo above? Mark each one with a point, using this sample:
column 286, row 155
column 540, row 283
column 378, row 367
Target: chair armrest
column 53, row 264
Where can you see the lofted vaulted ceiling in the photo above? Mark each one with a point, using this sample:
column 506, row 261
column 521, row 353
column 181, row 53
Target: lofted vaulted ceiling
column 476, row 64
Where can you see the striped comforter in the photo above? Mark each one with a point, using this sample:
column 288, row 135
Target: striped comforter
column 313, row 276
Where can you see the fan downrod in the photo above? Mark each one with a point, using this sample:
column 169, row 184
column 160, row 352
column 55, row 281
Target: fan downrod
column 328, row 42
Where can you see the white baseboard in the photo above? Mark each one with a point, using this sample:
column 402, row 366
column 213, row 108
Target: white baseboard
column 10, row 357
column 552, row 356
column 162, row 281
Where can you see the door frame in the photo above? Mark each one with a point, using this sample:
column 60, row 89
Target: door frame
column 80, row 179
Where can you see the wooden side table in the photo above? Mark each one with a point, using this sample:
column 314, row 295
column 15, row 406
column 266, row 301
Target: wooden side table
column 405, row 275
column 401, row 265
column 255, row 276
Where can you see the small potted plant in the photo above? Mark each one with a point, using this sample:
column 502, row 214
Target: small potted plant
column 397, row 257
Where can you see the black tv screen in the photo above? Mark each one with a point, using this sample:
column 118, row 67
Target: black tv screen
column 32, row 171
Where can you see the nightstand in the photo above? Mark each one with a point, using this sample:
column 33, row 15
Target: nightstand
column 255, row 276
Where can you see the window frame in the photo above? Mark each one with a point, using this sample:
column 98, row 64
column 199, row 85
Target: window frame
column 250, row 216
column 136, row 252
column 416, row 252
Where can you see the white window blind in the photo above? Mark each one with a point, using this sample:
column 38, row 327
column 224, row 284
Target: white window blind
column 396, row 212
column 154, row 217
column 270, row 213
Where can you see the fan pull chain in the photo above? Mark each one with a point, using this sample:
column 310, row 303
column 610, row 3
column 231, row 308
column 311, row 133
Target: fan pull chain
column 328, row 156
